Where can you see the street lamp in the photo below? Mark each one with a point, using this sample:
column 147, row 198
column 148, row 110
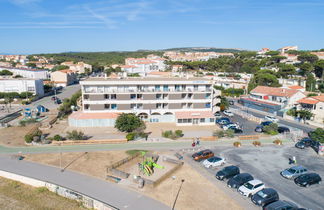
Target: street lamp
column 175, row 201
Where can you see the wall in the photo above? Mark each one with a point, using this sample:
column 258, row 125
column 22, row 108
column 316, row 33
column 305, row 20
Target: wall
column 92, row 122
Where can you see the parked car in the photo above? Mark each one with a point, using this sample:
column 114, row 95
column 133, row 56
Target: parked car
column 251, row 187
column 308, row 179
column 281, row 205
column 213, row 162
column 53, row 98
column 239, row 179
column 293, row 172
column 236, row 130
column 283, row 129
column 265, row 196
column 227, row 172
column 57, row 101
column 228, row 113
column 204, row 154
column 217, row 114
column 223, row 121
column 230, row 125
column 231, row 102
column 304, row 142
column 259, row 128
column 272, row 119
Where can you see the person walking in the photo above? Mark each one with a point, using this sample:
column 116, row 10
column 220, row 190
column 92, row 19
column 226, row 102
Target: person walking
column 198, row 141
column 193, row 143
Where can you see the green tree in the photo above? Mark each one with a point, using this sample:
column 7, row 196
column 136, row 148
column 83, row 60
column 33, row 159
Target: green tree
column 317, row 135
column 128, row 122
column 277, row 58
column 306, row 68
column 305, row 115
column 307, row 57
column 5, row 72
column 319, row 69
column 271, row 129
column 60, row 67
column 31, row 65
column 286, row 70
column 263, row 78
column 272, row 53
column 75, row 135
column 224, row 104
column 310, row 83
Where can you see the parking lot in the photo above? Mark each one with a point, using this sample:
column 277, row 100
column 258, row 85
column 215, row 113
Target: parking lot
column 266, row 162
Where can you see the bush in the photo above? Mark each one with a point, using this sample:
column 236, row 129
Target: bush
column 29, row 138
column 172, row 135
column 75, row 135
column 229, row 133
column 128, row 122
column 271, row 129
column 277, row 141
column 220, row 134
column 256, row 143
column 167, row 134
column 130, row 136
column 237, row 144
column 58, row 138
column 178, row 133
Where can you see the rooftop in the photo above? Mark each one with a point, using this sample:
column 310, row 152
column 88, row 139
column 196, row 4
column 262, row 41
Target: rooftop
column 147, row 79
column 274, row 91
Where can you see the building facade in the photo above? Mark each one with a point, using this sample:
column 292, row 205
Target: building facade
column 314, row 104
column 170, row 100
column 28, row 73
column 63, row 77
column 34, row 86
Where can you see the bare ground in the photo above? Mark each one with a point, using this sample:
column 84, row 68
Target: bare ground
column 18, row 196
column 197, row 192
column 14, row 136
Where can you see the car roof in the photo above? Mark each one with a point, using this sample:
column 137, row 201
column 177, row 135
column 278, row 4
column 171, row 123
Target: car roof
column 280, row 203
column 231, row 167
column 269, row 190
column 298, row 167
column 255, row 182
column 206, row 150
column 244, row 175
column 270, row 116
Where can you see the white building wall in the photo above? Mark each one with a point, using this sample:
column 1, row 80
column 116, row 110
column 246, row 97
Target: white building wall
column 29, row 73
column 22, row 85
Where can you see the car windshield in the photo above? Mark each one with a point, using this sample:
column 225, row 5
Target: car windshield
column 262, row 194
column 249, row 186
column 199, row 153
column 291, row 170
column 214, row 159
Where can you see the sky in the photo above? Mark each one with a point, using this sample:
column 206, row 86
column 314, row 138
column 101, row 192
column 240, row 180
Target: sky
column 50, row 26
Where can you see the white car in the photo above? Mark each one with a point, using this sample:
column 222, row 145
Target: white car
column 272, row 119
column 250, row 188
column 228, row 113
column 213, row 162
column 226, row 127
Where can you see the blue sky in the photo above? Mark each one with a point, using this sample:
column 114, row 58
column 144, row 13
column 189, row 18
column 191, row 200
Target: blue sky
column 41, row 26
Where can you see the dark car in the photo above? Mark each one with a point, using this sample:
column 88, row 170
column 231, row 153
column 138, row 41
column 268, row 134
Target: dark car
column 204, row 154
column 259, row 128
column 57, row 101
column 281, row 205
column 239, row 179
column 236, row 130
column 217, row 114
column 265, row 196
column 223, row 120
column 283, row 129
column 53, row 98
column 308, row 179
column 231, row 102
column 227, row 172
column 304, row 142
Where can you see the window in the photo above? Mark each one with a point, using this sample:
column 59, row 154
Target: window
column 207, row 95
column 86, row 106
column 202, row 120
column 139, row 96
column 185, row 120
column 183, row 95
column 114, row 106
column 107, row 106
column 158, row 96
column 195, row 87
column 106, row 96
column 133, row 106
column 133, row 96
column 207, row 105
column 165, row 88
column 113, row 96
column 85, row 96
column 211, row 119
column 177, row 87
column 190, row 95
column 158, row 106
column 157, row 87
column 179, row 120
column 189, row 120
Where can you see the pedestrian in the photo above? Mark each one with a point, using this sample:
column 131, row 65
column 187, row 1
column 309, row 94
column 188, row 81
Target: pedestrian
column 198, row 142
column 294, row 160
column 193, row 143
column 290, row 161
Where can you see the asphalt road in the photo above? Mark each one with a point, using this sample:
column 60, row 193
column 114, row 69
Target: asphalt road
column 109, row 193
column 66, row 92
column 266, row 162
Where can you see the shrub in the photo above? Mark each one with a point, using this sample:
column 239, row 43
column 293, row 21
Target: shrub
column 237, row 144
column 219, row 134
column 22, row 123
column 178, row 133
column 29, row 138
column 128, row 122
column 256, row 143
column 130, row 136
column 41, row 189
column 277, row 141
column 229, row 133
column 271, row 129
column 75, row 135
column 167, row 134
column 58, row 138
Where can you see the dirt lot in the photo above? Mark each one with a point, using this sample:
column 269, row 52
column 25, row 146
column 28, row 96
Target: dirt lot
column 15, row 195
column 197, row 192
column 14, row 136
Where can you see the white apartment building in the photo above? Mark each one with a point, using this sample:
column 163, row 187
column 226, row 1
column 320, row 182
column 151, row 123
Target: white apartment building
column 28, row 73
column 143, row 66
column 35, row 86
column 182, row 101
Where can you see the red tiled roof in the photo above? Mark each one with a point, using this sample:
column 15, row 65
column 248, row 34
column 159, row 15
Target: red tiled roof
column 274, row 91
column 84, row 116
column 296, row 87
column 66, row 71
column 127, row 66
column 308, row 101
column 192, row 114
column 320, row 98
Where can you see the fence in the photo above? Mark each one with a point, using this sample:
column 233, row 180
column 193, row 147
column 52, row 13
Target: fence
column 246, row 115
column 87, row 201
column 77, row 142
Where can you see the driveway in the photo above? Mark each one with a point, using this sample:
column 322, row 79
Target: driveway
column 266, row 162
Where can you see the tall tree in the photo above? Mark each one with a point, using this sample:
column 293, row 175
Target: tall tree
column 319, row 69
column 307, row 57
column 305, row 69
column 310, row 82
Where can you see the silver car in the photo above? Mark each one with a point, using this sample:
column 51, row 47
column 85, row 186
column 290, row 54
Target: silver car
column 293, row 172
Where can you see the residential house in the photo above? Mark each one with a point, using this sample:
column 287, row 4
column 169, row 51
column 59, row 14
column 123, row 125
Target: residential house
column 314, row 104
column 63, row 77
column 79, row 67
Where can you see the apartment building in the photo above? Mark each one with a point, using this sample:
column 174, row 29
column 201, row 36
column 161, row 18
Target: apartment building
column 182, row 101
column 79, row 67
column 63, row 77
column 314, row 104
column 143, row 66
column 27, row 72
column 272, row 99
column 34, row 86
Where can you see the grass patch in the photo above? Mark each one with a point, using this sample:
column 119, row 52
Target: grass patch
column 134, row 151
